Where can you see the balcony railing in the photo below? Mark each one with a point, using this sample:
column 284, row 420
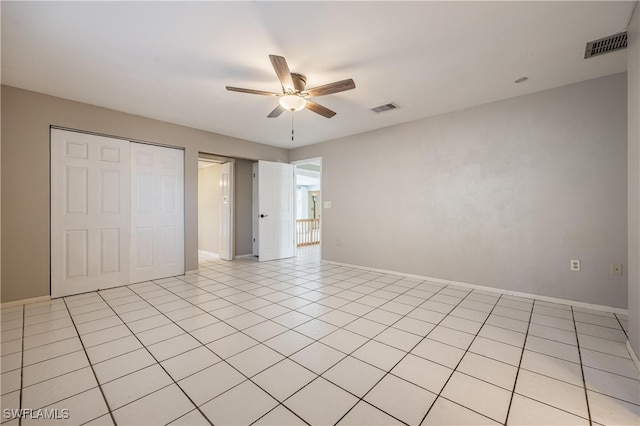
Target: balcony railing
column 307, row 232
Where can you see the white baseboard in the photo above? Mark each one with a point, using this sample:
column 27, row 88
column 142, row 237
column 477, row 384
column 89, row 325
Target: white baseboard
column 208, row 253
column 634, row 356
column 575, row 303
column 243, row 256
column 25, row 301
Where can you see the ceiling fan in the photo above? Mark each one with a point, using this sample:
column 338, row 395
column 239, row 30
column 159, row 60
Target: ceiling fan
column 294, row 97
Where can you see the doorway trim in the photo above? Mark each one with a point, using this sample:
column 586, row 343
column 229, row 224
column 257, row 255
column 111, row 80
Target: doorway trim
column 230, row 224
column 314, row 160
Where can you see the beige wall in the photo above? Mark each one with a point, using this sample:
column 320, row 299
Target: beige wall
column 243, row 200
column 501, row 195
column 209, row 208
column 633, row 269
column 26, row 117
column 510, row 190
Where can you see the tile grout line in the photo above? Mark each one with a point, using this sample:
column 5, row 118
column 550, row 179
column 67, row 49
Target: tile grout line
column 585, row 334
column 24, row 309
column 57, row 376
column 321, row 375
column 408, row 352
column 387, row 372
column 46, row 332
column 90, row 364
column 54, row 377
column 285, row 357
column 315, row 340
column 619, row 323
column 159, row 364
column 50, row 343
column 294, row 309
column 524, row 345
column 466, row 351
column 295, row 271
column 222, row 359
column 407, row 289
column 584, row 380
column 542, row 374
column 290, row 310
column 280, row 403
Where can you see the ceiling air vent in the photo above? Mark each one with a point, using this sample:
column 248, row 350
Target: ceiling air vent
column 606, row 45
column 386, row 107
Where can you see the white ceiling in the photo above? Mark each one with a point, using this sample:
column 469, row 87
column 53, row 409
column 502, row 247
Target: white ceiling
column 172, row 60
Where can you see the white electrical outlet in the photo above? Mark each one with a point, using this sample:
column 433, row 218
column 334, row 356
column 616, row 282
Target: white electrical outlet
column 616, row 269
column 337, row 241
column 575, row 265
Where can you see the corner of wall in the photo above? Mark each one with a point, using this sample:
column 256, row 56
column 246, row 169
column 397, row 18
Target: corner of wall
column 633, row 180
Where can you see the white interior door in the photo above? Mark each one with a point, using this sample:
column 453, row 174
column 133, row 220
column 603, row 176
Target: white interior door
column 254, row 211
column 226, row 211
column 157, row 212
column 276, row 216
column 89, row 212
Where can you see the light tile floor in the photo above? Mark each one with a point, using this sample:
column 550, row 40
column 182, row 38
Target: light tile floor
column 299, row 341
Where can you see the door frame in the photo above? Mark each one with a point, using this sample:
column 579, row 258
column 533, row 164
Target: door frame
column 274, row 210
column 205, row 156
column 229, row 223
column 320, row 204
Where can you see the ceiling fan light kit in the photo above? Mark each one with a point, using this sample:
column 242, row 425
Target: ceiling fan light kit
column 294, row 96
column 292, row 102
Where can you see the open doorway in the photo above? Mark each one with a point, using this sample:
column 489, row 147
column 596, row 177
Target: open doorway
column 215, row 208
column 308, row 206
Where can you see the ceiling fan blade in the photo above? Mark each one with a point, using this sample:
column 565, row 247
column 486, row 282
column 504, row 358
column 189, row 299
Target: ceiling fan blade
column 336, row 87
column 251, row 91
column 319, row 109
column 282, row 70
column 276, row 112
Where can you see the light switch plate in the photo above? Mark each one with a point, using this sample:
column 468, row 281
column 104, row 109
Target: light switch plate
column 326, row 204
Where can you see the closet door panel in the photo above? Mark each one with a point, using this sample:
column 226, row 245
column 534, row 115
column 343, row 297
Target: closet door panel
column 89, row 212
column 157, row 212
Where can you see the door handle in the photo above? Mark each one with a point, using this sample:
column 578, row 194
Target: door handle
column 264, row 215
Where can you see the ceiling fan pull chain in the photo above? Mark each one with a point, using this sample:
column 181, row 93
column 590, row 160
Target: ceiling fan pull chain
column 292, row 126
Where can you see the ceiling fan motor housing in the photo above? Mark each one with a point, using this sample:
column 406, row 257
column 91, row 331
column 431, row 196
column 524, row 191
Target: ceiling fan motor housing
column 299, row 81
column 296, row 97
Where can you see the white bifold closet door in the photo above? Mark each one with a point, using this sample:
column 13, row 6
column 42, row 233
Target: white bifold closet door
column 157, row 212
column 97, row 240
column 89, row 212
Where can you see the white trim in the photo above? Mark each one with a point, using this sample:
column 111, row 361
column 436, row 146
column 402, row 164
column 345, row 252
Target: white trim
column 25, row 301
column 244, row 256
column 208, row 253
column 317, row 160
column 633, row 355
column 575, row 303
column 308, row 160
column 194, row 271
